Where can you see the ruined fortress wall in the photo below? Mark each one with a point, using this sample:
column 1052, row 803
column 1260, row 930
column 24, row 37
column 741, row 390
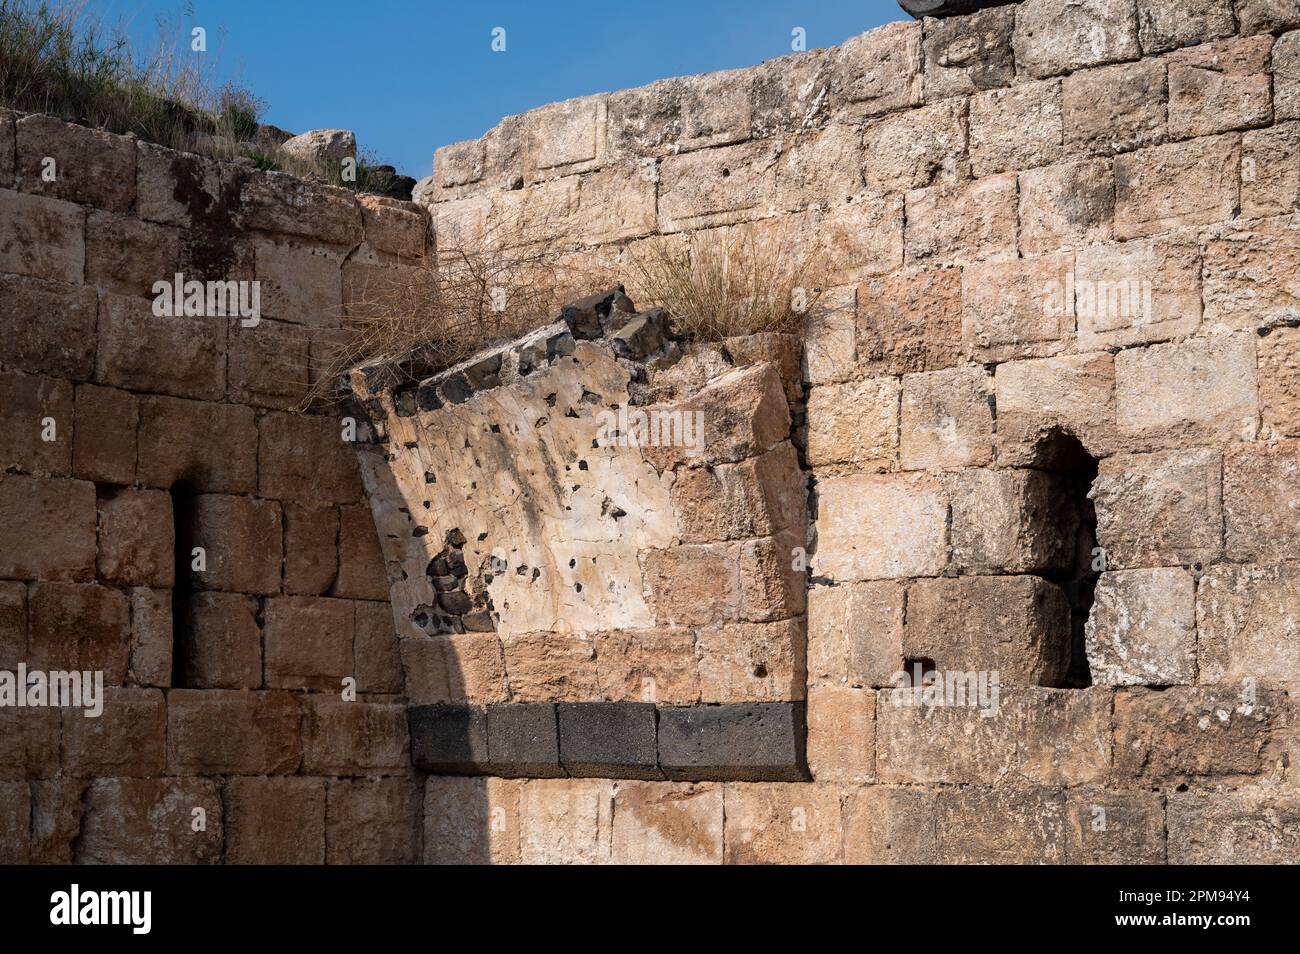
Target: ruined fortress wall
column 125, row 436
column 1062, row 316
column 1063, row 236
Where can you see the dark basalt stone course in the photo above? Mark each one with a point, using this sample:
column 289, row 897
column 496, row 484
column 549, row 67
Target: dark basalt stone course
column 743, row 742
column 948, row 8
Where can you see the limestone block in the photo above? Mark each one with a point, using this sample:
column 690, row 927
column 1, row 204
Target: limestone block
column 182, row 357
column 910, row 321
column 854, row 423
column 655, row 823
column 150, row 821
column 947, row 419
column 916, row 149
column 42, row 237
column 137, row 539
column 956, row 225
column 91, row 166
column 1137, row 292
column 782, row 823
column 881, row 527
column 1165, row 25
column 1246, row 624
column 242, row 538
column 275, row 821
column 1068, row 205
column 1060, row 36
column 1016, row 128
column 223, row 643
column 971, row 53
column 1018, row 309
column 49, row 327
column 309, row 642
column 1142, row 629
column 1261, row 502
column 842, row 734
column 1175, row 185
column 223, row 732
column 1216, row 87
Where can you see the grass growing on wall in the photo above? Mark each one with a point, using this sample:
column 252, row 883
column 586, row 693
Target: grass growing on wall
column 725, row 282
column 60, row 60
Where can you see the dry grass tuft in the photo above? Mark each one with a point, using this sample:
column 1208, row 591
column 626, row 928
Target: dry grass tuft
column 730, row 281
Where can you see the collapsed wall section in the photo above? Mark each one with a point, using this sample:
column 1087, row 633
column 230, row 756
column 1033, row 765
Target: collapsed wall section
column 1061, row 237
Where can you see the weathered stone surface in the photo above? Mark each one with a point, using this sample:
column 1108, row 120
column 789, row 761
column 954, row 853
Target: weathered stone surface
column 782, row 823
column 1286, row 76
column 548, row 667
column 13, row 625
column 305, row 458
column 1180, row 184
column 361, row 572
column 970, row 53
column 841, row 734
column 1217, row 828
column 302, row 285
column 354, row 738
column 55, row 519
column 1136, row 292
column 151, row 638
column 694, row 585
column 1142, row 629
column 1047, row 736
column 736, row 742
column 909, row 322
column 751, row 662
column 1160, row 509
column 449, row 739
column 887, row 824
column 1250, row 280
column 1000, row 826
column 1016, row 128
column 211, row 447
column 481, row 821
column 1008, row 521
column 36, row 424
column 916, row 149
column 1279, row 381
column 1060, row 36
column 1202, row 389
column 1165, row 25
column 279, row 203
column 79, row 626
column 1020, row 309
column 1216, row 87
column 648, row 665
column 127, row 256
column 184, row 357
column 310, row 548
column 29, row 742
column 43, row 238
column 947, row 419
column 880, row 70
column 222, row 648
column 666, row 823
column 854, row 423
column 824, row 169
column 1075, row 393
column 605, row 739
column 716, row 187
column 275, row 821
column 754, row 498
column 309, row 642
column 1270, row 170
column 90, row 166
column 377, row 657
column 1118, row 828
column 962, row 223
column 49, row 327
column 150, row 821
column 881, row 527
column 336, row 144
column 1261, row 502
column 242, row 539
column 1265, row 16
column 523, row 741
column 373, row 821
column 566, row 821
column 1068, row 205
column 104, row 446
column 1016, row 626
column 1116, row 108
column 855, row 634
column 15, row 815
column 1246, row 624
column 267, row 365
column 137, row 540
column 125, row 740
column 1186, row 734
column 223, row 732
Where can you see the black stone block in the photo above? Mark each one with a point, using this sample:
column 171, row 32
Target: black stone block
column 449, row 739
column 747, row 742
column 608, row 739
column 426, row 398
column 485, row 374
column 948, row 8
column 524, row 741
column 641, row 336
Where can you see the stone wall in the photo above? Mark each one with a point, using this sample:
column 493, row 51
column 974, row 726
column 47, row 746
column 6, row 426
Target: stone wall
column 1051, row 429
column 126, row 436
column 1045, row 419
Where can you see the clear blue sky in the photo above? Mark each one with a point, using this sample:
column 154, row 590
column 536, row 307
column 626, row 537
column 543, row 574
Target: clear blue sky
column 411, row 76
